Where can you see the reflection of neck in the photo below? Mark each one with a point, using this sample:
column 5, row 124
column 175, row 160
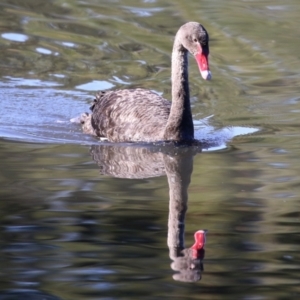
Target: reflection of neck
column 179, row 170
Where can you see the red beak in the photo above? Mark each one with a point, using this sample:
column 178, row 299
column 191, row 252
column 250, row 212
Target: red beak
column 202, row 61
column 200, row 239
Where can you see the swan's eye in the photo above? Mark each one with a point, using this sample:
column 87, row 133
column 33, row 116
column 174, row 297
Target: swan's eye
column 195, row 40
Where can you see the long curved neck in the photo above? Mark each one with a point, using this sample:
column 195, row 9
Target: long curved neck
column 180, row 123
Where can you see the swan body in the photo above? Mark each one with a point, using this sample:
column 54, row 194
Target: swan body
column 140, row 115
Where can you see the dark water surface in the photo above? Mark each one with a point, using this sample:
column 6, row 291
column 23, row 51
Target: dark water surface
column 85, row 220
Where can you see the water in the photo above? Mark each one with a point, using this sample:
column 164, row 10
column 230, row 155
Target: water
column 80, row 219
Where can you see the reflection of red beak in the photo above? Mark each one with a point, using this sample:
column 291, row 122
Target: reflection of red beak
column 200, row 239
column 202, row 61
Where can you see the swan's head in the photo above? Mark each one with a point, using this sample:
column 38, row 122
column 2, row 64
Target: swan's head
column 194, row 37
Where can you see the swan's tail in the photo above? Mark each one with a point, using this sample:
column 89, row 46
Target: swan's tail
column 85, row 120
column 79, row 119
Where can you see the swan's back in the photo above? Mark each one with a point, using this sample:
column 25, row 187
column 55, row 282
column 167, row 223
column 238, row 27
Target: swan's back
column 130, row 115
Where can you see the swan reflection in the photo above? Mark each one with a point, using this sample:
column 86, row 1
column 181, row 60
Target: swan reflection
column 133, row 161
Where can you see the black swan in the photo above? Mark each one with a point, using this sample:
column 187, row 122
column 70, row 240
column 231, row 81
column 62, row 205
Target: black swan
column 139, row 115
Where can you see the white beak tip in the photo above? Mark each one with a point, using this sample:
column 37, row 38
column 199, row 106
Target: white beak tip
column 206, row 75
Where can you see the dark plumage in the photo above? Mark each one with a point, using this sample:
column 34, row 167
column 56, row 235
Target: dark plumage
column 121, row 115
column 139, row 115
